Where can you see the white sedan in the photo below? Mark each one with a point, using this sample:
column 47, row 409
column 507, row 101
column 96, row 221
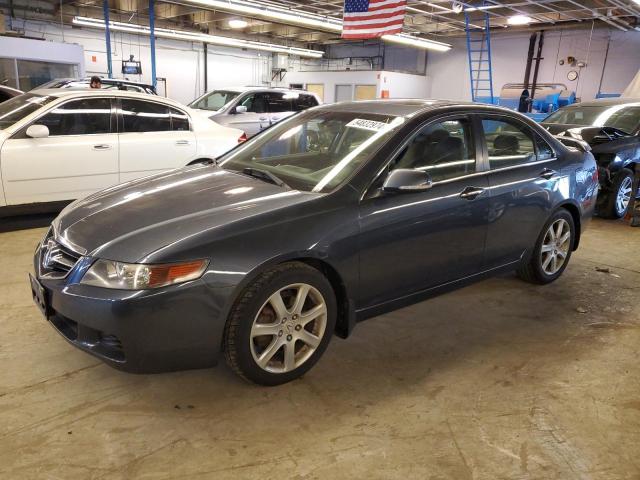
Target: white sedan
column 57, row 145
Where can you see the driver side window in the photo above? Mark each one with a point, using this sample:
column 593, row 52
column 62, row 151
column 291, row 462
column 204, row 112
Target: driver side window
column 255, row 103
column 444, row 150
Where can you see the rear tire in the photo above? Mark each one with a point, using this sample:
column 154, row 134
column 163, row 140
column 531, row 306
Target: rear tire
column 281, row 324
column 552, row 251
column 617, row 200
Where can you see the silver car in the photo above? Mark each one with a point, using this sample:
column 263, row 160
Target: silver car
column 252, row 109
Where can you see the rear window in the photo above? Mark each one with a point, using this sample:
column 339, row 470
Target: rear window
column 303, row 102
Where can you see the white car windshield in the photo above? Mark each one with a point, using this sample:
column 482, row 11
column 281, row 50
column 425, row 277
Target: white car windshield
column 314, row 151
column 19, row 107
column 214, row 100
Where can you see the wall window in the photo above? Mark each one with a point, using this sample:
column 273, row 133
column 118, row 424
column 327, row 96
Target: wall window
column 79, row 117
column 141, row 116
column 8, row 72
column 444, row 150
column 31, row 74
column 509, row 143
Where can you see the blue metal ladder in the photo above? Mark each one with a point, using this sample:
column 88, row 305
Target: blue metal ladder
column 479, row 52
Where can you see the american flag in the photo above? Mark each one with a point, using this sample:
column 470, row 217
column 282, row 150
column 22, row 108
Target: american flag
column 372, row 18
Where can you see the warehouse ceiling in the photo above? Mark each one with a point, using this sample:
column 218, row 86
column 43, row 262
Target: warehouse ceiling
column 434, row 19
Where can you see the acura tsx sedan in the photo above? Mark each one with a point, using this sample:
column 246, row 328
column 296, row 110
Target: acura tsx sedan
column 337, row 214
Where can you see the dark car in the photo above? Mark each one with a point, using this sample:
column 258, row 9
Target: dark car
column 337, row 214
column 7, row 93
column 107, row 84
column 612, row 128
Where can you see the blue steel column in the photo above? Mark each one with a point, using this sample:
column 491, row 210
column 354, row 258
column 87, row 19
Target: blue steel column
column 152, row 26
column 107, row 37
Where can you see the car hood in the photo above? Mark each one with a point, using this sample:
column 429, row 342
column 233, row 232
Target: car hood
column 130, row 221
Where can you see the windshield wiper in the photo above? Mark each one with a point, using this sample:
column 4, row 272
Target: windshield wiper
column 265, row 175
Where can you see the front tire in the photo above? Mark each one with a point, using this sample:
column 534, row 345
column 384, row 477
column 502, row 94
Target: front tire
column 552, row 251
column 617, row 201
column 280, row 324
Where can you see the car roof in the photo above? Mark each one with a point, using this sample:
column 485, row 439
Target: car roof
column 605, row 102
column 103, row 80
column 404, row 106
column 85, row 92
column 257, row 88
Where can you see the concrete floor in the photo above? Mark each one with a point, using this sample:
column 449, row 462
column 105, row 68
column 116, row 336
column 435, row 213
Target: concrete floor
column 501, row 380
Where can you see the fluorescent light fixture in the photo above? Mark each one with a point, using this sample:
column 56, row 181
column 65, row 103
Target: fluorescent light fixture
column 278, row 14
column 238, row 23
column 519, row 20
column 197, row 37
column 409, row 41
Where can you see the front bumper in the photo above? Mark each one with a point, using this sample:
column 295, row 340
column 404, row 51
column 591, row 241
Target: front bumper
column 172, row 328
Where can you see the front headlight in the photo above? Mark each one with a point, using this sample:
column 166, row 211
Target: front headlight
column 139, row 276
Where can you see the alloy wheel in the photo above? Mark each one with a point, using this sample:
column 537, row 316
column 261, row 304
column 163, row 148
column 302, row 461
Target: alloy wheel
column 623, row 196
column 288, row 328
column 555, row 246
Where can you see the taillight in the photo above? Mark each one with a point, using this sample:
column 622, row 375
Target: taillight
column 242, row 138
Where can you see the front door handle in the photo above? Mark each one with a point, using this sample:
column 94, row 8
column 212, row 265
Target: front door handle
column 102, row 146
column 182, row 142
column 470, row 193
column 263, row 119
column 275, row 119
column 547, row 173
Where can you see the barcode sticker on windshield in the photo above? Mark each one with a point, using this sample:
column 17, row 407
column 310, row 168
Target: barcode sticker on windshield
column 367, row 124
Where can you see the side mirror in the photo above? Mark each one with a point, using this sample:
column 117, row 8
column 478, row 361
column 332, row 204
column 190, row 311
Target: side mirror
column 37, row 131
column 407, row 180
column 240, row 109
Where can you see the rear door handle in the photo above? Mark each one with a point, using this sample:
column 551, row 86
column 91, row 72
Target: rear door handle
column 470, row 193
column 275, row 119
column 102, row 146
column 263, row 119
column 182, row 142
column 547, row 173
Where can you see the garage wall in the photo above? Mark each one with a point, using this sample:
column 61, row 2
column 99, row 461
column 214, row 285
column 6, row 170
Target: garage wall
column 181, row 63
column 450, row 76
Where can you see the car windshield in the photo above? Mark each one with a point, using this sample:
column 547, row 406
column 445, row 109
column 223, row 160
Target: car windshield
column 214, row 100
column 625, row 117
column 317, row 150
column 19, row 107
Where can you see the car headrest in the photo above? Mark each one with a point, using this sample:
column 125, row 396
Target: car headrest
column 506, row 143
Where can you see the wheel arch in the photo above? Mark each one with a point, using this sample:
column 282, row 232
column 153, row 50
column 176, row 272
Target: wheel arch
column 577, row 220
column 346, row 310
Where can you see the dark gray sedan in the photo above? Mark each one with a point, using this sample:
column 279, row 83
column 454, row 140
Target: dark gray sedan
column 335, row 215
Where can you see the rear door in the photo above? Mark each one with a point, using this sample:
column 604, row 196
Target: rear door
column 79, row 157
column 153, row 137
column 524, row 172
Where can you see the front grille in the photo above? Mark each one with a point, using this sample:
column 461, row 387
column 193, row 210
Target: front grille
column 56, row 260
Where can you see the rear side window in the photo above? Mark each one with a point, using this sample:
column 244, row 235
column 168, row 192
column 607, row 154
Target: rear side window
column 279, row 102
column 141, row 116
column 303, row 102
column 545, row 152
column 509, row 142
column 179, row 120
column 89, row 116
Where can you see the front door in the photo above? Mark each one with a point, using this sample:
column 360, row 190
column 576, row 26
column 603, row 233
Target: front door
column 255, row 119
column 79, row 157
column 414, row 241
